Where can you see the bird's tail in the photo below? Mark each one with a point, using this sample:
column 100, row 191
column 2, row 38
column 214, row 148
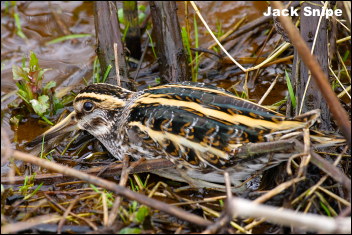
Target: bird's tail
column 321, row 139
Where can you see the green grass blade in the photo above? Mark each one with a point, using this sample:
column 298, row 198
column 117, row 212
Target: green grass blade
column 68, row 37
column 326, row 209
column 186, row 44
column 151, row 41
column 106, row 73
column 290, row 90
column 196, row 38
column 46, row 120
column 18, row 26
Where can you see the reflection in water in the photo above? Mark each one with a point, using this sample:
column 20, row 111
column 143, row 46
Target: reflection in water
column 70, row 61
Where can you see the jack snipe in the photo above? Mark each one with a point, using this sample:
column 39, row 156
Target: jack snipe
column 196, row 126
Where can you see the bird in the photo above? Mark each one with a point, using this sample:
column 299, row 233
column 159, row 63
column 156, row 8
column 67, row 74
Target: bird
column 198, row 127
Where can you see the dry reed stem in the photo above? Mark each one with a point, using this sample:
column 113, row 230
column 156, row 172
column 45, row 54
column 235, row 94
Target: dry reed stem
column 217, row 214
column 344, row 66
column 268, row 91
column 343, row 39
column 233, row 29
column 311, row 62
column 105, row 209
column 312, row 189
column 67, row 212
column 60, row 207
column 226, row 216
column 20, row 226
column 333, row 73
column 117, row 67
column 205, row 200
column 306, row 157
column 278, row 189
column 276, row 53
column 113, row 169
column 312, row 52
column 212, row 34
column 309, row 222
column 123, row 181
column 344, row 92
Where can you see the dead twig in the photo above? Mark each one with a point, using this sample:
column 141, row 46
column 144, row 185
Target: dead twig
column 268, row 91
column 117, row 68
column 305, row 160
column 172, row 210
column 278, row 189
column 67, row 212
column 145, row 49
column 126, row 170
column 215, row 39
column 306, row 221
column 321, row 79
column 20, row 226
column 123, row 181
column 327, row 167
column 227, row 215
column 312, row 189
column 53, row 203
column 111, row 170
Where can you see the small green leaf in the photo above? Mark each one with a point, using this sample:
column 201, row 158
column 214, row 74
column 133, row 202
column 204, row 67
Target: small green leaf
column 57, row 104
column 19, row 73
column 15, row 120
column 33, row 61
column 120, row 16
column 142, row 212
column 41, row 105
column 18, row 26
column 345, row 56
column 24, row 95
column 142, row 8
column 141, row 17
column 14, row 104
column 158, row 80
column 34, row 192
column 134, row 205
column 94, row 188
column 40, row 74
column 130, row 231
column 49, row 85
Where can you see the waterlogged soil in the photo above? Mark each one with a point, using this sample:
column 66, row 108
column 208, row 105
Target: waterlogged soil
column 71, row 62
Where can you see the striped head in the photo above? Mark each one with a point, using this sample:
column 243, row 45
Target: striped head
column 99, row 107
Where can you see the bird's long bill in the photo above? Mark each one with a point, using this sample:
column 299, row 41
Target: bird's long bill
column 68, row 124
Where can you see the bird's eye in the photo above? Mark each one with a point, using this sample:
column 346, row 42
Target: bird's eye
column 88, row 106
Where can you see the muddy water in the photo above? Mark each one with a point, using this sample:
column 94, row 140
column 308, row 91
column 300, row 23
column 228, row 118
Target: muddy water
column 71, row 61
column 226, row 14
